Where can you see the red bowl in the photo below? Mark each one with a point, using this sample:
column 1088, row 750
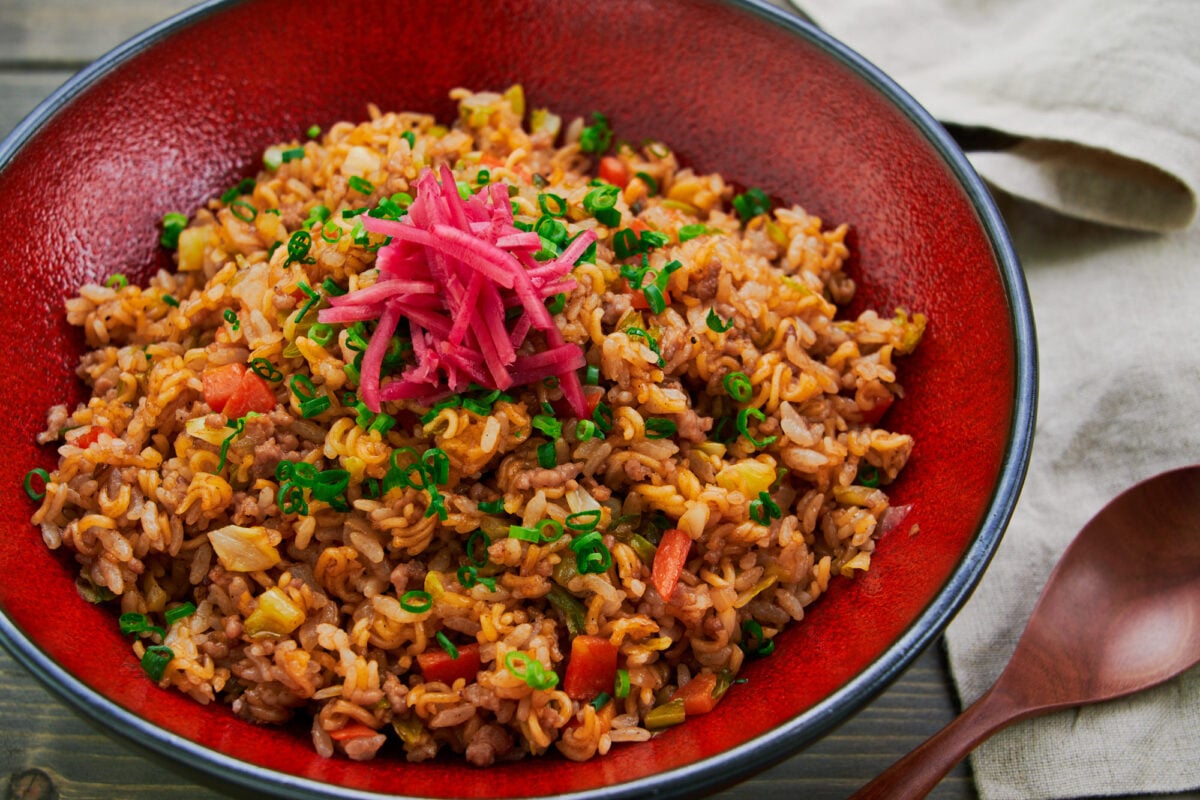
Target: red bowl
column 184, row 110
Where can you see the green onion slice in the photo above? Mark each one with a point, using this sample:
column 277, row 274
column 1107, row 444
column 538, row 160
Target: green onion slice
column 243, row 211
column 621, row 685
column 477, row 556
column 177, row 613
column 361, row 185
column 585, row 430
column 716, row 324
column 491, row 506
column 447, row 645
column 738, row 386
column 173, row 224
column 416, row 601
column 547, row 455
column 529, row 669
column 743, row 426
column 30, row 489
column 754, row 641
column 524, row 534
column 584, row 520
column 554, row 526
column 660, row 428
column 265, row 370
column 155, row 661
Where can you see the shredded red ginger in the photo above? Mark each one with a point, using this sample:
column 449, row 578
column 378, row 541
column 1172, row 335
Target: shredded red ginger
column 453, row 268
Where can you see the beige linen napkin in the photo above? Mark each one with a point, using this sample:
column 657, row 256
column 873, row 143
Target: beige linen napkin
column 1100, row 97
column 1100, row 100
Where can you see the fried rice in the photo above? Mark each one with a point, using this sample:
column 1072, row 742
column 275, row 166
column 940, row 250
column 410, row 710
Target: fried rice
column 735, row 408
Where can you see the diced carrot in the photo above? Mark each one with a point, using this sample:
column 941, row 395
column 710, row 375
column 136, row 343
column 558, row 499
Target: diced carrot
column 220, row 383
column 613, row 170
column 592, row 668
column 352, row 730
column 252, row 394
column 91, row 436
column 697, row 694
column 669, row 559
column 437, row 665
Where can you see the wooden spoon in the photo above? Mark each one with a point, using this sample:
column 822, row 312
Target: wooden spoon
column 1119, row 613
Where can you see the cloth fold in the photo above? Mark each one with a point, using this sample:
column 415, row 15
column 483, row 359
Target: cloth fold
column 1099, row 95
column 1092, row 104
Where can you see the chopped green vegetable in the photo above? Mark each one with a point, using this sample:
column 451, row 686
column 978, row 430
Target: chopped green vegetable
column 529, row 669
column 664, row 716
column 715, row 324
column 447, row 645
column 476, row 555
column 621, row 685
column 738, row 385
column 743, row 426
column 597, row 137
column 30, row 489
column 751, row 203
column 156, row 659
column 416, row 601
column 173, row 615
column 361, row 185
column 754, row 642
column 547, row 455
column 173, row 224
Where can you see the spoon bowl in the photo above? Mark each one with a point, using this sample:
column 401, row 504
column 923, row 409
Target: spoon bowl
column 1120, row 613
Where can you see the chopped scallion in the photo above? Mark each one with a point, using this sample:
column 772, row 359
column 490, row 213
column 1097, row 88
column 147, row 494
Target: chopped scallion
column 177, row 613
column 743, row 426
column 737, row 385
column 33, row 492
column 416, row 601
column 155, row 661
column 446, row 644
column 173, row 224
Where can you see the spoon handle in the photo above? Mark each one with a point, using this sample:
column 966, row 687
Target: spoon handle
column 915, row 775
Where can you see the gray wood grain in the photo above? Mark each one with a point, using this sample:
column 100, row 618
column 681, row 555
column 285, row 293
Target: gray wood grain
column 36, row 34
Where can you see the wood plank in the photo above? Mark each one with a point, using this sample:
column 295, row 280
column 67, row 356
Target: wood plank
column 73, row 33
column 85, row 761
column 21, row 91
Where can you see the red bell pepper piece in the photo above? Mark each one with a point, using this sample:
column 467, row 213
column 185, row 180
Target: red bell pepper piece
column 220, row 383
column 437, row 665
column 697, row 694
column 613, row 170
column 592, row 668
column 252, row 394
column 92, row 435
column 669, row 559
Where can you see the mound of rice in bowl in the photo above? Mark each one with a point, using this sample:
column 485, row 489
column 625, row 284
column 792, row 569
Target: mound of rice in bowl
column 490, row 437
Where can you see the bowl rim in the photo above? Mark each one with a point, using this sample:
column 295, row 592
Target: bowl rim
column 732, row 765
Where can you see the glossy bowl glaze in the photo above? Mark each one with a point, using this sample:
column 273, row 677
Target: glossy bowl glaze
column 185, row 110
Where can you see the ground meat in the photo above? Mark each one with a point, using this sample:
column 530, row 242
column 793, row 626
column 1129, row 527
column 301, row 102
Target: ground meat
column 266, row 458
column 636, row 470
column 692, row 426
column 546, row 478
column 395, row 691
column 489, row 742
column 56, row 420
column 615, row 305
column 705, row 287
column 596, row 489
column 410, row 573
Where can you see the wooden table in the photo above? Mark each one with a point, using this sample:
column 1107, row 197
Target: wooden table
column 47, row 751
